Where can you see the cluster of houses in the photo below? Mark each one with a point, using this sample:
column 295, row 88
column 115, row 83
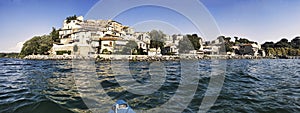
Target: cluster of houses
column 251, row 49
column 89, row 37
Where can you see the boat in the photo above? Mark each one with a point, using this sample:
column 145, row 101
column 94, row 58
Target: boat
column 121, row 106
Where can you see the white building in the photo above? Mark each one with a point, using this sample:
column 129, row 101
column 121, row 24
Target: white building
column 143, row 40
column 111, row 45
column 73, row 24
column 154, row 52
column 249, row 49
column 171, row 48
column 86, row 37
column 87, row 33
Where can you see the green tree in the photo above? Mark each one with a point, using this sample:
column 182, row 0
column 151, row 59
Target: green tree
column 236, row 39
column 132, row 44
column 278, row 52
column 157, row 39
column 283, row 43
column 244, row 41
column 283, row 51
column 295, row 43
column 55, row 35
column 74, row 17
column 140, row 51
column 270, row 51
column 267, row 45
column 227, row 39
column 298, row 52
column 9, row 55
column 195, row 40
column 185, row 45
column 37, row 45
column 292, row 52
column 130, row 48
column 228, row 43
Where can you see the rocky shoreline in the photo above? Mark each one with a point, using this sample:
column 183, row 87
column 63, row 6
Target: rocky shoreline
column 144, row 57
column 55, row 57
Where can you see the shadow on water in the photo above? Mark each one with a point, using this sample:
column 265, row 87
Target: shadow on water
column 43, row 107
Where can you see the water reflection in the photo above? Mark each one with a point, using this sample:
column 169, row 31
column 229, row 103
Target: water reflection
column 41, row 86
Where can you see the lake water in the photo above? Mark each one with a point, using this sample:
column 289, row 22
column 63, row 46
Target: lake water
column 63, row 86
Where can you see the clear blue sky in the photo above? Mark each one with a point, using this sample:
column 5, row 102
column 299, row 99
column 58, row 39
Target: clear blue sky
column 258, row 20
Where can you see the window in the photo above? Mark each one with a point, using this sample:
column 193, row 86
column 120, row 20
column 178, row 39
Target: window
column 76, row 40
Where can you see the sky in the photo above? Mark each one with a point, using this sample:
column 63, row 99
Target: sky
column 257, row 20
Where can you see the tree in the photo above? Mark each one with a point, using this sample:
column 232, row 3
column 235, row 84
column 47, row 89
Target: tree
column 9, row 55
column 228, row 43
column 268, row 45
column 283, row 43
column 37, row 45
column 185, row 45
column 278, row 52
column 236, row 38
column 283, row 47
column 195, row 40
column 54, row 35
column 156, row 39
column 132, row 44
column 292, row 52
column 283, row 51
column 130, row 47
column 295, row 43
column 140, row 51
column 270, row 51
column 227, row 39
column 298, row 52
column 244, row 41
column 71, row 18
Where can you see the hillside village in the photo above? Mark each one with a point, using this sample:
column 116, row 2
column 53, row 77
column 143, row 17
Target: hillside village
column 93, row 37
column 108, row 37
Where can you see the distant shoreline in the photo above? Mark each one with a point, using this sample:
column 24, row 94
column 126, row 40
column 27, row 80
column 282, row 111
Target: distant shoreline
column 9, row 55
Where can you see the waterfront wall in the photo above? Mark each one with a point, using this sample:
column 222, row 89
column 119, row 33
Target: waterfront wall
column 55, row 57
column 105, row 57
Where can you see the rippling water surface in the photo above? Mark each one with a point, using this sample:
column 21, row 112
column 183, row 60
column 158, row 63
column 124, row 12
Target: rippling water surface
column 52, row 86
